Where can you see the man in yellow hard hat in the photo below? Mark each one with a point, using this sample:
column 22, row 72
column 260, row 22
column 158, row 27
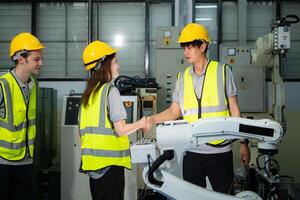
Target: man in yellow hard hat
column 203, row 90
column 18, row 118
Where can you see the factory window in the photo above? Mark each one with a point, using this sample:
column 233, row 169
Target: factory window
column 62, row 28
column 15, row 18
column 291, row 64
column 122, row 25
column 259, row 18
column 229, row 21
column 206, row 14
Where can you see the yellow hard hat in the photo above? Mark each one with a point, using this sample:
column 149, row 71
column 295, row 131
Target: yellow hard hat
column 94, row 51
column 24, row 41
column 193, row 32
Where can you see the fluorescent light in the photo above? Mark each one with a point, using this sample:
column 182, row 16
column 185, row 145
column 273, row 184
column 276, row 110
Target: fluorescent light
column 119, row 40
column 204, row 19
column 79, row 5
column 206, row 6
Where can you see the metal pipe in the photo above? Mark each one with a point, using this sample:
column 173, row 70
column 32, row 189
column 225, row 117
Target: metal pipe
column 33, row 18
column 194, row 11
column 147, row 39
column 90, row 5
column 90, row 34
column 66, row 38
column 98, row 4
column 219, row 24
column 278, row 9
column 173, row 13
column 242, row 21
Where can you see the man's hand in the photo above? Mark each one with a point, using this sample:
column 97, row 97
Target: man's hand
column 147, row 125
column 142, row 122
column 245, row 154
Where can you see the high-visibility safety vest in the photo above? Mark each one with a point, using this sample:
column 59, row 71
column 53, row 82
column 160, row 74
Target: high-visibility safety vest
column 17, row 127
column 101, row 146
column 213, row 101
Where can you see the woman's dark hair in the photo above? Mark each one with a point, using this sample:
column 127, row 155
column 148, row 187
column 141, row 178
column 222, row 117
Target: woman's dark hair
column 195, row 43
column 102, row 75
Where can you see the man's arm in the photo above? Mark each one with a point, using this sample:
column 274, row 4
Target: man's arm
column 235, row 112
column 172, row 113
column 234, row 108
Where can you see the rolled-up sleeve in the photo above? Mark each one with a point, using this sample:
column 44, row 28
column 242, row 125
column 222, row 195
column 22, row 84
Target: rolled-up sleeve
column 175, row 96
column 231, row 88
column 116, row 108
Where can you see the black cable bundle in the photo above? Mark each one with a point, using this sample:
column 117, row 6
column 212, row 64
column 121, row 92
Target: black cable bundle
column 128, row 85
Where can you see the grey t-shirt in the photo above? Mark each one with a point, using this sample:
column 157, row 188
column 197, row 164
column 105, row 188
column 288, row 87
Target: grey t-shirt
column 231, row 91
column 116, row 112
column 116, row 108
column 26, row 88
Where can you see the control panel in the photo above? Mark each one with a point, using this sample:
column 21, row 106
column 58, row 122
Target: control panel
column 169, row 61
column 71, row 110
column 250, row 79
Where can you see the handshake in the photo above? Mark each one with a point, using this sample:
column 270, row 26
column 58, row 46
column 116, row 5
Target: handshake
column 145, row 123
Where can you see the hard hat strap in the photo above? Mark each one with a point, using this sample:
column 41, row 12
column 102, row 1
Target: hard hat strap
column 18, row 54
column 98, row 65
column 100, row 59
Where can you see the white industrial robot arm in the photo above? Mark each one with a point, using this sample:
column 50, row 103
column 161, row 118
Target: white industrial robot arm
column 181, row 136
column 175, row 137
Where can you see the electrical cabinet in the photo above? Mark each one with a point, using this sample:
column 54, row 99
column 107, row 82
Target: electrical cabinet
column 74, row 185
column 169, row 61
column 250, row 79
column 148, row 106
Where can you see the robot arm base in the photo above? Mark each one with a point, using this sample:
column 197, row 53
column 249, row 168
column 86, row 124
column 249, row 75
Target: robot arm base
column 176, row 188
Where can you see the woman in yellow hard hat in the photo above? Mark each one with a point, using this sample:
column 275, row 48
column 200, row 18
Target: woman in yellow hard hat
column 204, row 89
column 18, row 91
column 103, row 130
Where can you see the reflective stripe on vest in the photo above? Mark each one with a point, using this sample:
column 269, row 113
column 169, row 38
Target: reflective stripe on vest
column 213, row 100
column 18, row 124
column 101, row 145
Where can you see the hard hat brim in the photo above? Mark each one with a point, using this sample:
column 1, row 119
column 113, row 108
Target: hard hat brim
column 35, row 49
column 185, row 41
column 90, row 66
